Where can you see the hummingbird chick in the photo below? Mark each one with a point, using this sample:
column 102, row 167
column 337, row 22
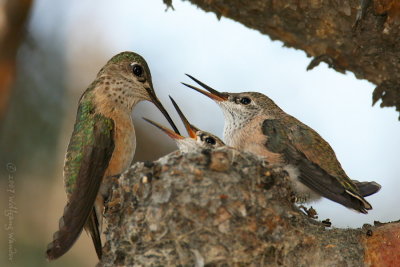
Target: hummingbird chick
column 102, row 145
column 197, row 139
column 254, row 123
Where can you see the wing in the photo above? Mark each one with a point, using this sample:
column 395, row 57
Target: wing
column 315, row 159
column 96, row 147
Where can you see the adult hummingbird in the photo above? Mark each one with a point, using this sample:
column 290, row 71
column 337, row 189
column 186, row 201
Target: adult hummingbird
column 197, row 139
column 102, row 145
column 254, row 123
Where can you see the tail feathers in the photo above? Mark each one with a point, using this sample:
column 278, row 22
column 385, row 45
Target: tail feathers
column 365, row 205
column 367, row 188
column 64, row 238
column 92, row 227
column 318, row 180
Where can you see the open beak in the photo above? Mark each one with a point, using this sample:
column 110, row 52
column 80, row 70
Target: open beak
column 169, row 132
column 189, row 128
column 212, row 93
column 158, row 104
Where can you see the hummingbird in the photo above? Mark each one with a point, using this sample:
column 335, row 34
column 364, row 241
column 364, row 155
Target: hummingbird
column 204, row 140
column 254, row 123
column 102, row 146
column 197, row 139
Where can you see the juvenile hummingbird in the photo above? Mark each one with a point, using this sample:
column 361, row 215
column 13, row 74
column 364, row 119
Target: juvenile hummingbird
column 254, row 123
column 197, row 139
column 102, row 145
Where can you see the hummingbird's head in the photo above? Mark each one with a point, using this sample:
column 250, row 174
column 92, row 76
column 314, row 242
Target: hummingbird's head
column 207, row 140
column 239, row 106
column 197, row 139
column 129, row 74
column 126, row 80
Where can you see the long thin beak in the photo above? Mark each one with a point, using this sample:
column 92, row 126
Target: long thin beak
column 158, row 104
column 169, row 132
column 189, row 128
column 212, row 93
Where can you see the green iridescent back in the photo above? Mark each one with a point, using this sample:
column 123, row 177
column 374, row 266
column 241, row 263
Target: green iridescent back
column 83, row 135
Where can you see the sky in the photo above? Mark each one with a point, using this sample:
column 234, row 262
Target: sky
column 230, row 57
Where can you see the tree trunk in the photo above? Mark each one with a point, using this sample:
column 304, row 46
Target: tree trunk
column 227, row 208
column 13, row 16
column 361, row 36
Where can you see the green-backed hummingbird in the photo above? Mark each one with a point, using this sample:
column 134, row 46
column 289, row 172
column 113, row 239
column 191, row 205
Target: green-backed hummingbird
column 102, row 146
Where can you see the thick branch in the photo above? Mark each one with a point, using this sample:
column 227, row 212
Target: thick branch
column 361, row 36
column 226, row 208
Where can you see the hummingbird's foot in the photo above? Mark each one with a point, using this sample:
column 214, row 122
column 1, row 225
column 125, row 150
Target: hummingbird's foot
column 300, row 198
column 113, row 201
column 112, row 204
column 110, row 201
column 311, row 212
column 327, row 222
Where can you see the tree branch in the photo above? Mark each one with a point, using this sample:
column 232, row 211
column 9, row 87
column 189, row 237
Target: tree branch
column 361, row 36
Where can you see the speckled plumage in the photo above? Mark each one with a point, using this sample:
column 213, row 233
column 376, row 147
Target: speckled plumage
column 254, row 123
column 102, row 145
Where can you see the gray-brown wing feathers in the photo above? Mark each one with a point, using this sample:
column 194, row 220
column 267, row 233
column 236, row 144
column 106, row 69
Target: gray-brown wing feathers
column 321, row 182
column 310, row 174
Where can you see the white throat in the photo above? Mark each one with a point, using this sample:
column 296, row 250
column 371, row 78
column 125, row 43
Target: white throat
column 235, row 122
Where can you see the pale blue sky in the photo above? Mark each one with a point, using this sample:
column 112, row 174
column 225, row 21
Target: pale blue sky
column 231, row 57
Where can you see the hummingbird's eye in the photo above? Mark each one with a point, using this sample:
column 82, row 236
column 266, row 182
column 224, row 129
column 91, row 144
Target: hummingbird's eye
column 137, row 70
column 245, row 100
column 210, row 140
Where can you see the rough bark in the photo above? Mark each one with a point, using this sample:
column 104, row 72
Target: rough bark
column 361, row 36
column 227, row 208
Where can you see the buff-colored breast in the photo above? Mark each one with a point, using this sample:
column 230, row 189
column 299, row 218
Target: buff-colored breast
column 124, row 145
column 249, row 137
column 124, row 132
